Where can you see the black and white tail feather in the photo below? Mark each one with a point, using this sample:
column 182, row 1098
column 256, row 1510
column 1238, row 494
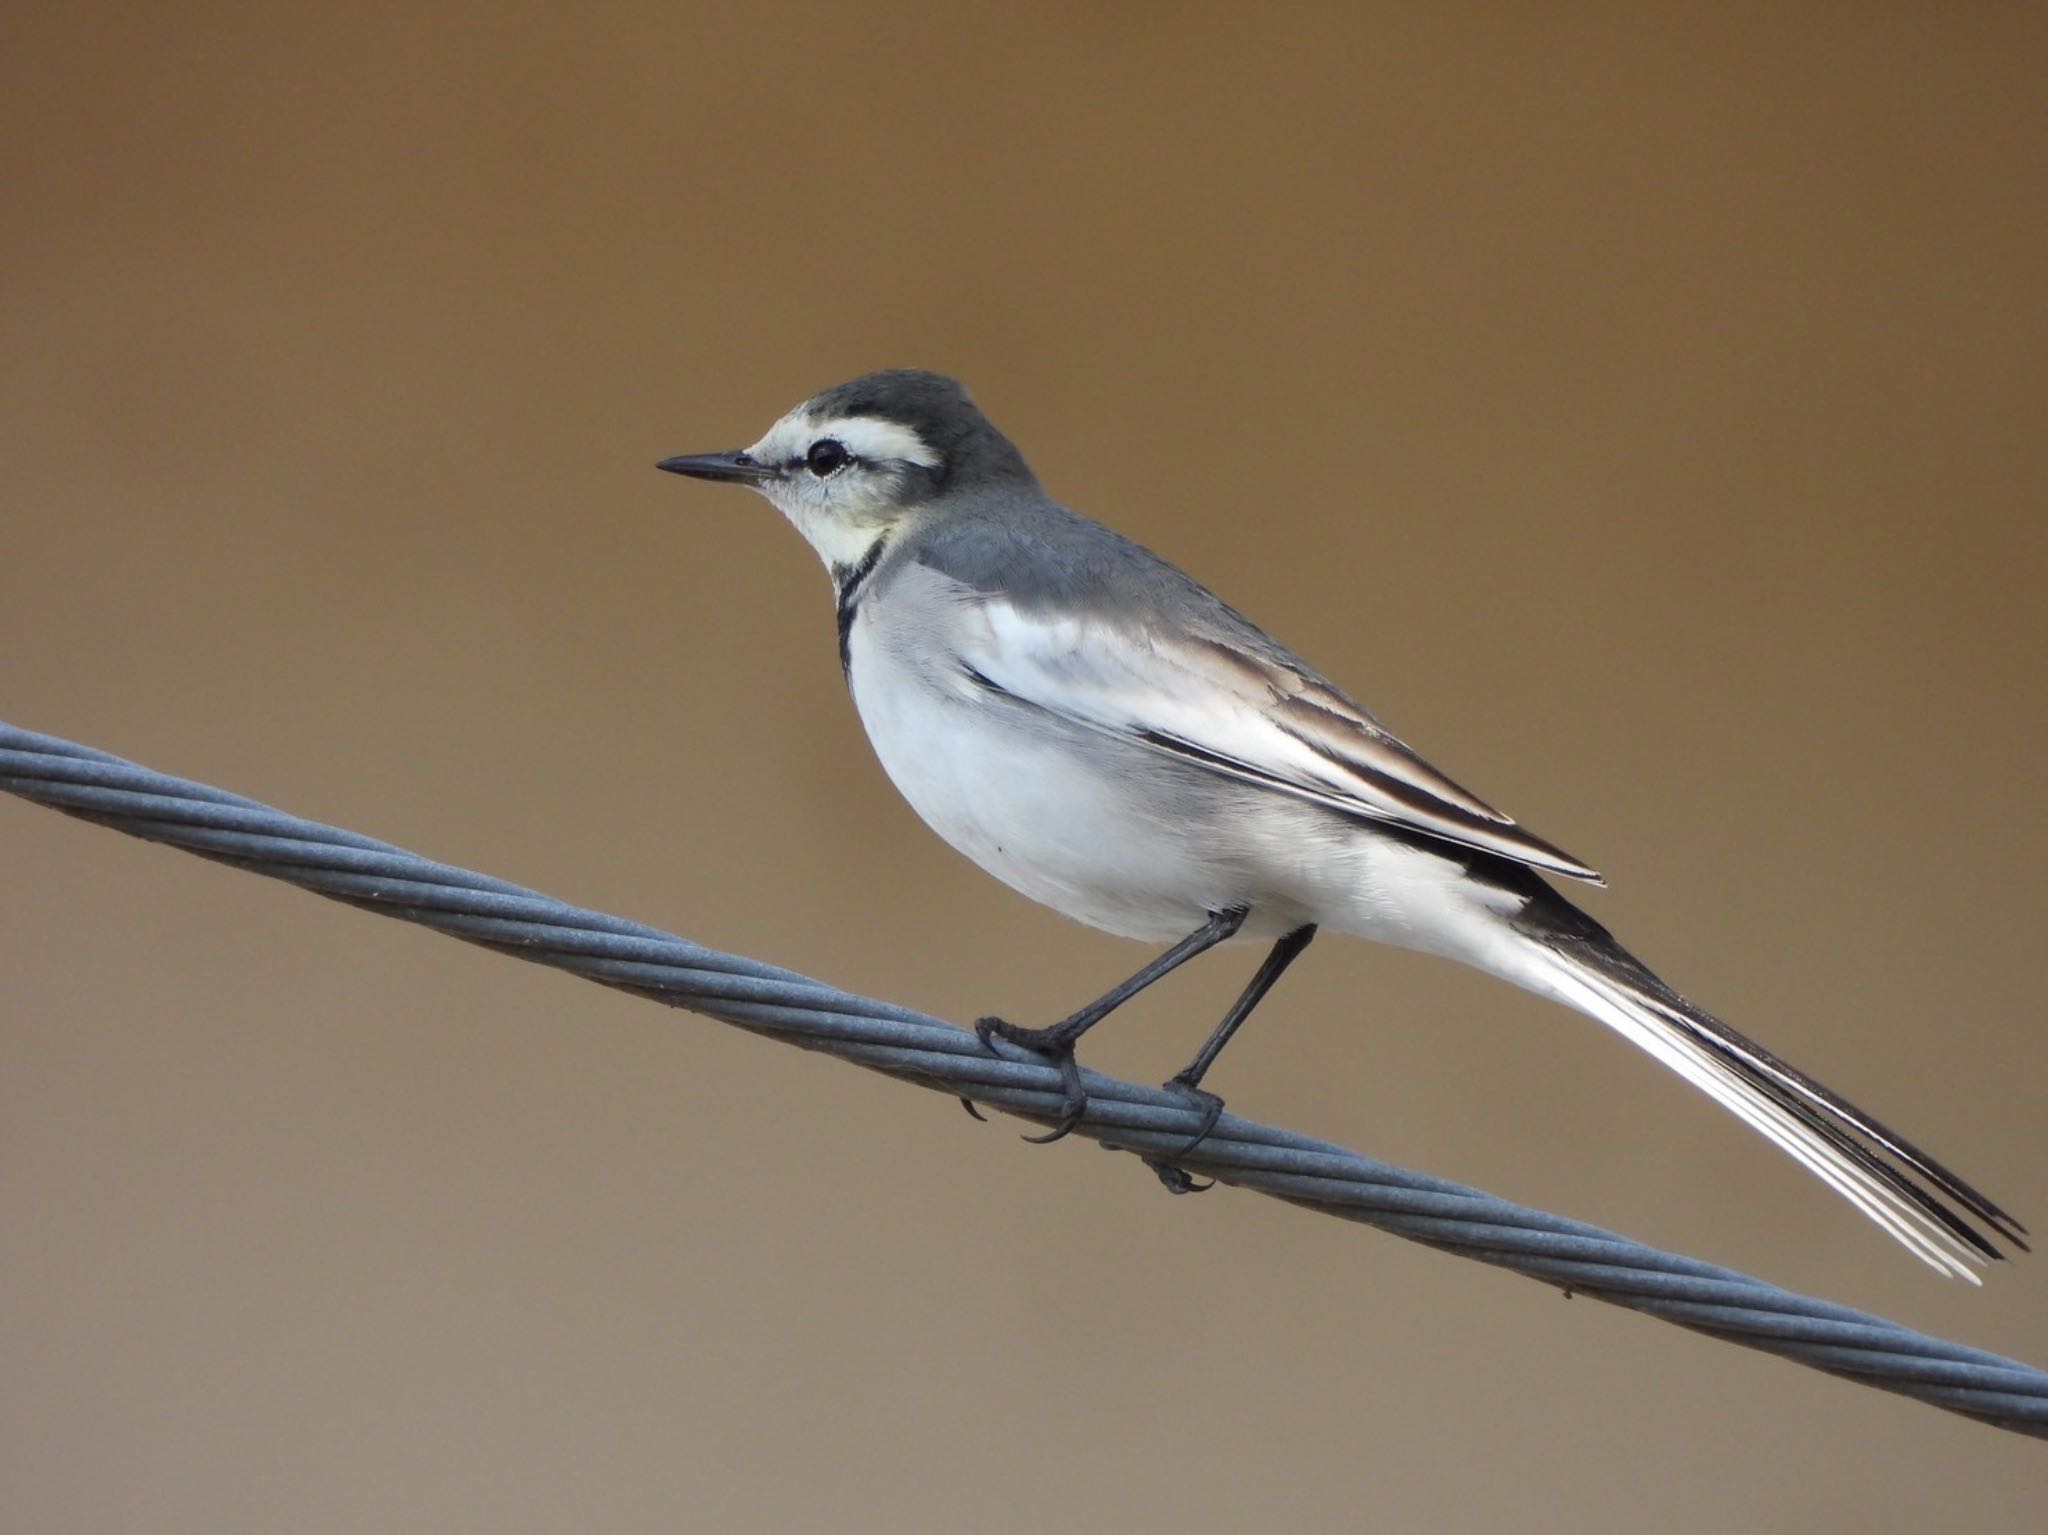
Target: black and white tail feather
column 1910, row 1195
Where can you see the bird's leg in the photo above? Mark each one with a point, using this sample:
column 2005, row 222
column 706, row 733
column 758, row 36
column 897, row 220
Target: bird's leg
column 1189, row 1080
column 1058, row 1041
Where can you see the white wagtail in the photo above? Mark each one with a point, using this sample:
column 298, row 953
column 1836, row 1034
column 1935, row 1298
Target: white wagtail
column 1104, row 735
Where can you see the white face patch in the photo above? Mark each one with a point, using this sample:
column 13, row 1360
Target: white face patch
column 844, row 512
column 868, row 438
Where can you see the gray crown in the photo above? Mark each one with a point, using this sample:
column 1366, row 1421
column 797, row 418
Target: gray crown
column 941, row 412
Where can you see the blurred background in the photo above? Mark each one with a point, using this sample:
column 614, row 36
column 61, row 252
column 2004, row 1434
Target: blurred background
column 1641, row 409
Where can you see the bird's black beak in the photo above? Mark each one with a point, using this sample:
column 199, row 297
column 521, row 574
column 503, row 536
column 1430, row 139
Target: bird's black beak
column 734, row 467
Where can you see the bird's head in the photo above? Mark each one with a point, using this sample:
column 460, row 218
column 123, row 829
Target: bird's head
column 849, row 466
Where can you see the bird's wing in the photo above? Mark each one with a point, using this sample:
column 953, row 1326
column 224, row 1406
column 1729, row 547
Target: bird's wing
column 1238, row 709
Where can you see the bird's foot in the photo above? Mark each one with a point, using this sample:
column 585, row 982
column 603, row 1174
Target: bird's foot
column 1057, row 1042
column 1210, row 1105
column 1176, row 1178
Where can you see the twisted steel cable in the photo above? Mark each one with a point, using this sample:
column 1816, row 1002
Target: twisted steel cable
column 765, row 999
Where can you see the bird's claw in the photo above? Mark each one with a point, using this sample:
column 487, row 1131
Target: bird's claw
column 1176, row 1179
column 1060, row 1046
column 1210, row 1105
column 1073, row 1101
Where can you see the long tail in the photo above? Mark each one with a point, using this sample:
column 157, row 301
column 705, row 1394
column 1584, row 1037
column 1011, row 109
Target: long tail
column 1906, row 1192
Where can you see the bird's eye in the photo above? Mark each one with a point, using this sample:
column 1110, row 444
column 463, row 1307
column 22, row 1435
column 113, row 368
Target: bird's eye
column 827, row 456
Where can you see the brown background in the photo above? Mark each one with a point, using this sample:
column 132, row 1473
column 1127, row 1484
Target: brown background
column 1642, row 411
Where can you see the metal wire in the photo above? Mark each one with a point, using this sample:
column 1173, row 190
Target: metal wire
column 1579, row 1258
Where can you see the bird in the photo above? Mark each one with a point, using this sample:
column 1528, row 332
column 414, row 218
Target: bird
column 1106, row 736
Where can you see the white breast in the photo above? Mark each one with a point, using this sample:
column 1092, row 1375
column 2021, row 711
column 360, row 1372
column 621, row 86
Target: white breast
column 1051, row 814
